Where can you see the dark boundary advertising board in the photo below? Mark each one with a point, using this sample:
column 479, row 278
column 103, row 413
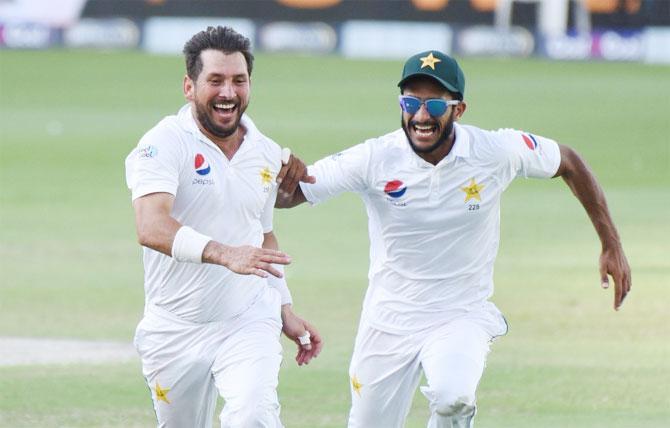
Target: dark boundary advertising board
column 623, row 14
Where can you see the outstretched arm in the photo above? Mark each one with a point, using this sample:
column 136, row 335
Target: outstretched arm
column 584, row 185
column 157, row 229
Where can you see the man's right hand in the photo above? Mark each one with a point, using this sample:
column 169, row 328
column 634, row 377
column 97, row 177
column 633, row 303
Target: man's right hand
column 245, row 260
column 292, row 172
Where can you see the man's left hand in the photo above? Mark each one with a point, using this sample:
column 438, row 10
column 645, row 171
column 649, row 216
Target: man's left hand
column 613, row 262
column 294, row 328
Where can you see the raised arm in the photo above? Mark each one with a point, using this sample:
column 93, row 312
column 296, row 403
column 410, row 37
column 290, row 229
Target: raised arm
column 158, row 230
column 584, row 185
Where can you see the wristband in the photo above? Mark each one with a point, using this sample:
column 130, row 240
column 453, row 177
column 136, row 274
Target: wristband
column 188, row 245
column 280, row 285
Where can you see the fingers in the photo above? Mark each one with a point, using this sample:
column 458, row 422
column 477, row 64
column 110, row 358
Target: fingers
column 624, row 284
column 604, row 281
column 285, row 159
column 308, row 179
column 249, row 260
column 618, row 294
column 617, row 267
column 292, row 172
column 305, row 342
column 272, row 256
column 285, row 155
column 307, row 351
column 304, row 356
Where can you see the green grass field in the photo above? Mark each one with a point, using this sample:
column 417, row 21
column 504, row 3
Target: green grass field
column 70, row 266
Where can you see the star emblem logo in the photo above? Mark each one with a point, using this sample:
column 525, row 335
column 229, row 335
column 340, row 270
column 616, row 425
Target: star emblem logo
column 356, row 385
column 429, row 61
column 161, row 393
column 266, row 175
column 472, row 190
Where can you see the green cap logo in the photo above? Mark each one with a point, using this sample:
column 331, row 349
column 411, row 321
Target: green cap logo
column 437, row 65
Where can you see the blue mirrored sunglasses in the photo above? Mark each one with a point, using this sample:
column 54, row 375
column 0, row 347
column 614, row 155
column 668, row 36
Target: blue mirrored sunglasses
column 436, row 106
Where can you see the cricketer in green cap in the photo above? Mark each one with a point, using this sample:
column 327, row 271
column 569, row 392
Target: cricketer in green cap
column 437, row 65
column 431, row 99
column 432, row 194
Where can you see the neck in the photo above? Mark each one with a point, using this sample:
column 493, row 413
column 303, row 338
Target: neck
column 228, row 145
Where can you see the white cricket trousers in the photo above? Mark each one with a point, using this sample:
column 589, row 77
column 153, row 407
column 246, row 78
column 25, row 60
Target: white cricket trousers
column 386, row 368
column 187, row 364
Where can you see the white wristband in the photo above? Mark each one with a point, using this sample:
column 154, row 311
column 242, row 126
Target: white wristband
column 280, row 285
column 188, row 245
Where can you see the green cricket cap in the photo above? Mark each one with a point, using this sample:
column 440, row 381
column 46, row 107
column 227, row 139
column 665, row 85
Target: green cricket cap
column 441, row 67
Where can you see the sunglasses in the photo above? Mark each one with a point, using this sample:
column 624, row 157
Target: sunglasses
column 436, row 106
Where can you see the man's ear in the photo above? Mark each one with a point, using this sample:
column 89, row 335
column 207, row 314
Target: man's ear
column 189, row 88
column 460, row 109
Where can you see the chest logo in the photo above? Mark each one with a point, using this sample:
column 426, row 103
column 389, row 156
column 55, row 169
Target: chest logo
column 395, row 188
column 201, row 165
column 472, row 190
column 266, row 176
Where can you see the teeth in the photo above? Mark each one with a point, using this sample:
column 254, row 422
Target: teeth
column 424, row 129
column 224, row 106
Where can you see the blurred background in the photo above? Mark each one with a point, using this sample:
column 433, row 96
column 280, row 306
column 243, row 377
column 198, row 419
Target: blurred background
column 82, row 81
column 609, row 30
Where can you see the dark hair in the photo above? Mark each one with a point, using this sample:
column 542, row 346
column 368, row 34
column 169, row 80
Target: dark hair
column 223, row 39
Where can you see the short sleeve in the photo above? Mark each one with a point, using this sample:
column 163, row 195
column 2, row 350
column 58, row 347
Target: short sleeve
column 154, row 165
column 532, row 155
column 346, row 171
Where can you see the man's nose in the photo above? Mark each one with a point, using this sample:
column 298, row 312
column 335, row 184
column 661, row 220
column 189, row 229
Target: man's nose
column 226, row 90
column 422, row 113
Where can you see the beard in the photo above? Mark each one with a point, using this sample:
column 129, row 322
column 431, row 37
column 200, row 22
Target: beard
column 444, row 136
column 203, row 114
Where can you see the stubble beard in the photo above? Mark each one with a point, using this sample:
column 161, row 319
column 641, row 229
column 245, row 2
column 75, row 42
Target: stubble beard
column 448, row 128
column 204, row 118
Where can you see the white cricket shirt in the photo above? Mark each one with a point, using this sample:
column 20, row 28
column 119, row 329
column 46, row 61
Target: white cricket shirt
column 434, row 229
column 229, row 200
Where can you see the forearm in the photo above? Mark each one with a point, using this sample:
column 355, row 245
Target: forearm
column 590, row 194
column 158, row 230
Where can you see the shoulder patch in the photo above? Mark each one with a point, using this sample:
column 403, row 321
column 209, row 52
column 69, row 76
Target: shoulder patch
column 147, row 152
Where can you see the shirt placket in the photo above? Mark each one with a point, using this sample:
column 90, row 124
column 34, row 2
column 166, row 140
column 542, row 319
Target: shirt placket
column 435, row 185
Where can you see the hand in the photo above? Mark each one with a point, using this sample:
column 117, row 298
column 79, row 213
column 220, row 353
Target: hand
column 245, row 260
column 293, row 170
column 294, row 327
column 613, row 262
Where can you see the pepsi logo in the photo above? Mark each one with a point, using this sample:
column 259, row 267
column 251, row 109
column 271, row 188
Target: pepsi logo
column 201, row 165
column 395, row 188
column 530, row 141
